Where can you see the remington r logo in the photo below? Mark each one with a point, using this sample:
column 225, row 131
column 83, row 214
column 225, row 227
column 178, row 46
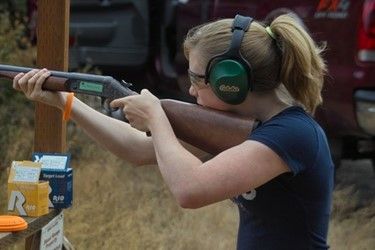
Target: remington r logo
column 228, row 88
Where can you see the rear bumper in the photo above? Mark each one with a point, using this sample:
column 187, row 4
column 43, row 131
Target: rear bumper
column 365, row 110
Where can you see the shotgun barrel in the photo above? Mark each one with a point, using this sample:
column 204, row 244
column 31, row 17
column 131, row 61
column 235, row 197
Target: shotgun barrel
column 103, row 86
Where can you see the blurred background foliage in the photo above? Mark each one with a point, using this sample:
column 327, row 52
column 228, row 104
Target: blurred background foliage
column 16, row 113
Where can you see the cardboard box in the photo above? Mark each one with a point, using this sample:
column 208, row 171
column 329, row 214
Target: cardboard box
column 27, row 196
column 56, row 170
column 61, row 187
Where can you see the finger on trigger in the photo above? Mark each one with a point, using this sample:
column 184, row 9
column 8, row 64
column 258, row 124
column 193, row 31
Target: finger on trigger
column 114, row 103
column 120, row 102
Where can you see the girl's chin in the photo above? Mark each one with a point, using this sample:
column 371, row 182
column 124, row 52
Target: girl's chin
column 212, row 106
column 199, row 102
column 205, row 105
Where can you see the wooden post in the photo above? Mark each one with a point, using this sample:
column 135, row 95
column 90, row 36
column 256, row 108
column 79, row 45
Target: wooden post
column 52, row 53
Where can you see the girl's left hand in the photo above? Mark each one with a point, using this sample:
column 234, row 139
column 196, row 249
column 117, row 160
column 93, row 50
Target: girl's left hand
column 140, row 110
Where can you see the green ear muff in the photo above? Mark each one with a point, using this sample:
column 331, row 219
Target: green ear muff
column 229, row 74
column 228, row 79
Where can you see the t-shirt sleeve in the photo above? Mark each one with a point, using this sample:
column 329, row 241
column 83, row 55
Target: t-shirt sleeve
column 294, row 140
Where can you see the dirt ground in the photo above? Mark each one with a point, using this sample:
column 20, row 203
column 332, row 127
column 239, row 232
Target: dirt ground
column 353, row 214
column 120, row 207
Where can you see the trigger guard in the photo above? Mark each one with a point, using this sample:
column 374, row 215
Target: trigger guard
column 116, row 113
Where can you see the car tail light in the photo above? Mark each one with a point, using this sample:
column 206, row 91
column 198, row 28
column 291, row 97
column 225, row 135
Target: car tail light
column 366, row 33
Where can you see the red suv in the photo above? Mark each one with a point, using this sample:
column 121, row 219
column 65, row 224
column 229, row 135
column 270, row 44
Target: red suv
column 142, row 39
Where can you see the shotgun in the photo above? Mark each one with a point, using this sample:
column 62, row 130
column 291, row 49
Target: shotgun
column 209, row 130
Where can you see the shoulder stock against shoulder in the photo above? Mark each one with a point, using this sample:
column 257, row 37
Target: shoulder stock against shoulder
column 209, row 130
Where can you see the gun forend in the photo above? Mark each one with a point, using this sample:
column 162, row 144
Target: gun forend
column 104, row 86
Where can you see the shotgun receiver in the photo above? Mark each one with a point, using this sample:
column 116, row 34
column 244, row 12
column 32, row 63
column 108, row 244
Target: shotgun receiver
column 210, row 130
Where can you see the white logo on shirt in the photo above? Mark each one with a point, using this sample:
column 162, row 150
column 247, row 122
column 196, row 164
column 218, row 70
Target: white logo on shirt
column 250, row 195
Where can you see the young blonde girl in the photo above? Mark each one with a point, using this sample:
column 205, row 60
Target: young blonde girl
column 281, row 177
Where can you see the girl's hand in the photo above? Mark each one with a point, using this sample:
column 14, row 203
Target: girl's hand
column 30, row 84
column 140, row 110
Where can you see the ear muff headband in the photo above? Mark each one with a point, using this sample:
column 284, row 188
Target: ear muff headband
column 229, row 74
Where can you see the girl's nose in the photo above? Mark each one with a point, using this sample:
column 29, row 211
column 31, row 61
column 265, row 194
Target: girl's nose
column 193, row 91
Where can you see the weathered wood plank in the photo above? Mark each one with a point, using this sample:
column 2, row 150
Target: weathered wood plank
column 34, row 226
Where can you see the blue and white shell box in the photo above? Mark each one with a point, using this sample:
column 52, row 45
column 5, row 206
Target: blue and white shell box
column 56, row 169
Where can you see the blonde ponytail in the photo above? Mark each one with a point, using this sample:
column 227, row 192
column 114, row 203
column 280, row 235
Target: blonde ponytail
column 302, row 67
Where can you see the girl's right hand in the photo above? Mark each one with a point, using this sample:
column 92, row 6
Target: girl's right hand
column 31, row 85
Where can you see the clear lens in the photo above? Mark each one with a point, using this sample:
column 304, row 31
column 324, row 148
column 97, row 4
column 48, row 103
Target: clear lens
column 197, row 80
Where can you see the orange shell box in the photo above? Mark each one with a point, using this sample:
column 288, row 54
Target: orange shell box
column 9, row 223
column 28, row 199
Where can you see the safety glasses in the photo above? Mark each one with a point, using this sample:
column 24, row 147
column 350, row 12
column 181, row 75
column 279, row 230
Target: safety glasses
column 197, row 80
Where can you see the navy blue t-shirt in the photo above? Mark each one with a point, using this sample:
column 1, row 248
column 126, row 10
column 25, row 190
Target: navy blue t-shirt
column 292, row 210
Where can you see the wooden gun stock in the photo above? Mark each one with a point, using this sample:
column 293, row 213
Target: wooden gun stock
column 209, row 130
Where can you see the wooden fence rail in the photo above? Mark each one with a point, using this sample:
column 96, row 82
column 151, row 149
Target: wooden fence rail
column 34, row 226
